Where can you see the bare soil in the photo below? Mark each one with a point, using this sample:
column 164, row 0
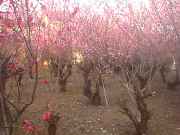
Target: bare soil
column 78, row 117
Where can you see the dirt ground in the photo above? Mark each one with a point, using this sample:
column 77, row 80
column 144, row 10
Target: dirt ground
column 78, row 117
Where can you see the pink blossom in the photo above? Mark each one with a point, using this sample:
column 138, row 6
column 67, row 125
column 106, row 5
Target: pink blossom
column 44, row 81
column 27, row 122
column 11, row 66
column 47, row 116
column 28, row 126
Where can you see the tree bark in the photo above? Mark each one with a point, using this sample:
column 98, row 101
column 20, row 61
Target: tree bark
column 87, row 85
column 62, row 85
column 3, row 108
column 52, row 129
column 96, row 98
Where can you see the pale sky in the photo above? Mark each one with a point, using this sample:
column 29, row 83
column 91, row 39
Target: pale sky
column 136, row 3
column 96, row 4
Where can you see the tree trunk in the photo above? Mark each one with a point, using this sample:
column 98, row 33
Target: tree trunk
column 87, row 86
column 162, row 73
column 52, row 129
column 142, row 125
column 96, row 98
column 3, row 107
column 62, row 85
column 30, row 68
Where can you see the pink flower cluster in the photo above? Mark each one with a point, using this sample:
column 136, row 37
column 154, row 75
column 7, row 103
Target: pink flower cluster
column 44, row 81
column 47, row 116
column 12, row 66
column 28, row 126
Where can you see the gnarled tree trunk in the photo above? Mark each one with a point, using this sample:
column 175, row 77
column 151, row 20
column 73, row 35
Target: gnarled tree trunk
column 65, row 72
column 96, row 98
column 87, row 85
column 4, row 123
column 62, row 85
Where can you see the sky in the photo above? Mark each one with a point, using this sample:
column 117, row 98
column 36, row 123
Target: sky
column 97, row 4
column 3, row 6
column 135, row 3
